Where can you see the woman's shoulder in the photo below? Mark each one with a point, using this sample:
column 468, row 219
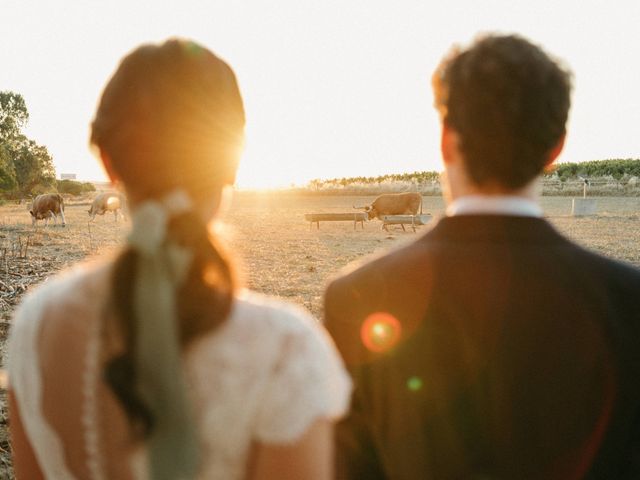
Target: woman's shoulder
column 61, row 304
column 265, row 333
column 278, row 323
column 81, row 287
column 71, row 295
column 256, row 310
column 304, row 378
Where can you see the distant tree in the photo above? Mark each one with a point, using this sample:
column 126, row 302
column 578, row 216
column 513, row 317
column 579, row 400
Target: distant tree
column 73, row 187
column 69, row 186
column 314, row 184
column 7, row 170
column 13, row 115
column 33, row 167
column 25, row 167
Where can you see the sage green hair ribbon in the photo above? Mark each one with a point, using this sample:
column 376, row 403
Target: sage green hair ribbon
column 173, row 451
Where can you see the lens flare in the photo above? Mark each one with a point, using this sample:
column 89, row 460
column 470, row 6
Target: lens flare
column 415, row 384
column 380, row 332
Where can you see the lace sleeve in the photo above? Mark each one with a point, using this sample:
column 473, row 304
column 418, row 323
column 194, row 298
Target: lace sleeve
column 308, row 382
column 26, row 383
column 22, row 354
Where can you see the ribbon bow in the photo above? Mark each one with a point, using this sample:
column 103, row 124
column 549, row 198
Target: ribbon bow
column 162, row 267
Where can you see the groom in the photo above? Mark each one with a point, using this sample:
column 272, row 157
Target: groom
column 492, row 347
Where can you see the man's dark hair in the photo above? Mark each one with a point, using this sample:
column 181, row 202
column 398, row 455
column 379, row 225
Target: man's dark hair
column 508, row 101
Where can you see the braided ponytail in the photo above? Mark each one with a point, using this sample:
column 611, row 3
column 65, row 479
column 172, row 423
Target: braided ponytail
column 204, row 301
column 171, row 117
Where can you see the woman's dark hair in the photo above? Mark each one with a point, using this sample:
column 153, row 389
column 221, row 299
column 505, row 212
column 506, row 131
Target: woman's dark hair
column 508, row 101
column 170, row 117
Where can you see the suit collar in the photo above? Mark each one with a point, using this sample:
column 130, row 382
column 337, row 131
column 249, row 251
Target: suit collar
column 494, row 228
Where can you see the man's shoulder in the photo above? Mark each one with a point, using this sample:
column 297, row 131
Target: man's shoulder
column 383, row 267
column 397, row 283
column 608, row 270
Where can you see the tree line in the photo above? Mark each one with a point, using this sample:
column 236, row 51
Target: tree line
column 617, row 169
column 419, row 178
column 26, row 168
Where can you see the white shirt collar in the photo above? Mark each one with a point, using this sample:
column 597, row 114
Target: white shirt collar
column 494, row 205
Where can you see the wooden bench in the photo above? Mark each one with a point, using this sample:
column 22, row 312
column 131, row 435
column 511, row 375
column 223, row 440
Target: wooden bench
column 354, row 217
column 401, row 220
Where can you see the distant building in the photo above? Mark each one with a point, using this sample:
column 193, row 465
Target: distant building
column 67, row 176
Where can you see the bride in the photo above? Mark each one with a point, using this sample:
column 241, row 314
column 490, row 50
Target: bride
column 156, row 364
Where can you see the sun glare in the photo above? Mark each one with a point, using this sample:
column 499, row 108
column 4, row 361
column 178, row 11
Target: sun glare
column 256, row 174
column 260, row 170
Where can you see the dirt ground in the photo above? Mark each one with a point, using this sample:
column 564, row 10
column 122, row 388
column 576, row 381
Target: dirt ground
column 276, row 250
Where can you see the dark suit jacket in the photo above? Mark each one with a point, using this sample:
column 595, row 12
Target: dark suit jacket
column 514, row 354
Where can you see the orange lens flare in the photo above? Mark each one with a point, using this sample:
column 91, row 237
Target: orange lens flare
column 380, row 332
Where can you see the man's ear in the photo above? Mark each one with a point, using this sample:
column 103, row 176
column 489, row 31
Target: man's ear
column 449, row 144
column 555, row 152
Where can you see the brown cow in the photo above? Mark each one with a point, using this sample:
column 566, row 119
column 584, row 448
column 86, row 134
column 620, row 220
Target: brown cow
column 106, row 202
column 46, row 206
column 406, row 203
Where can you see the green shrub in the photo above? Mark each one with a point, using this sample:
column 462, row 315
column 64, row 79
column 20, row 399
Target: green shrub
column 73, row 187
column 88, row 187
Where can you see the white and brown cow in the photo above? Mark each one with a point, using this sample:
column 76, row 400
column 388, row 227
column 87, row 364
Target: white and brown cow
column 46, row 206
column 107, row 202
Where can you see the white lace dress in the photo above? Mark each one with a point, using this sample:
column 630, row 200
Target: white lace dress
column 263, row 376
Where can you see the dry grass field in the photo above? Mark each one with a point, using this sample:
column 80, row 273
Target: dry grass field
column 277, row 251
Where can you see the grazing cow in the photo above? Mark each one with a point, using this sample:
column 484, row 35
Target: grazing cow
column 46, row 206
column 106, row 202
column 406, row 203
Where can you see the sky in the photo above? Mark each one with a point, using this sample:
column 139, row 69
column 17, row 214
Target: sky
column 332, row 88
